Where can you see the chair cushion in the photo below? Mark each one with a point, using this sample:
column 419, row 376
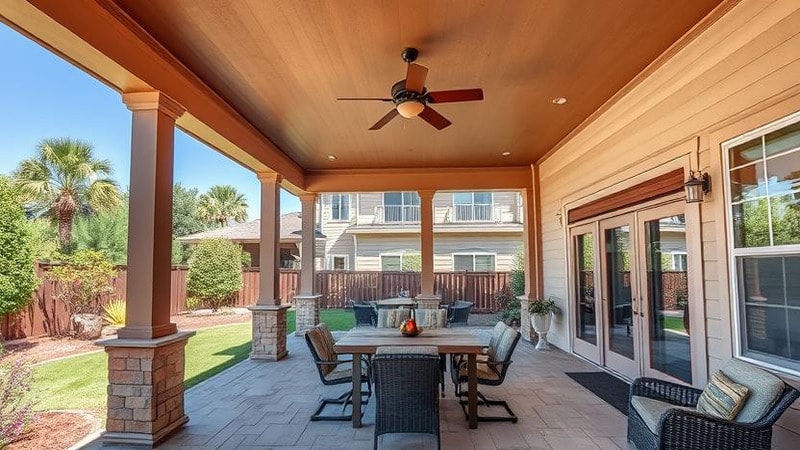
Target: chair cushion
column 484, row 371
column 343, row 371
column 432, row 318
column 651, row 410
column 497, row 334
column 323, row 347
column 765, row 389
column 502, row 352
column 392, row 318
column 722, row 397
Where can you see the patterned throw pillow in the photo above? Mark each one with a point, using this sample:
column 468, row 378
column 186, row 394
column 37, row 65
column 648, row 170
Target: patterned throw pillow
column 722, row 397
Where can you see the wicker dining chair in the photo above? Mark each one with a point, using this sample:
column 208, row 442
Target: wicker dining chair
column 492, row 368
column 366, row 315
column 663, row 415
column 406, row 388
column 334, row 370
column 459, row 313
column 434, row 318
column 392, row 318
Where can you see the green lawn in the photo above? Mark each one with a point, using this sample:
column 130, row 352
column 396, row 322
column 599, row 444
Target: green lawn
column 674, row 323
column 80, row 382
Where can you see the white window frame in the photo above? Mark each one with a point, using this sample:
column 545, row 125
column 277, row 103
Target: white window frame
column 473, row 255
column 733, row 253
column 330, row 205
column 380, row 260
column 473, row 205
column 402, row 206
column 329, row 261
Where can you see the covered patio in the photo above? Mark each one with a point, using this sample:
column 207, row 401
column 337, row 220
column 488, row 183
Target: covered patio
column 254, row 405
column 596, row 113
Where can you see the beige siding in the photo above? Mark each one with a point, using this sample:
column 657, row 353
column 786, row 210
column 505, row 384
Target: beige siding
column 370, row 247
column 741, row 73
column 337, row 242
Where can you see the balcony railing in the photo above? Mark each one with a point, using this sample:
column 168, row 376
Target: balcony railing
column 473, row 213
column 396, row 214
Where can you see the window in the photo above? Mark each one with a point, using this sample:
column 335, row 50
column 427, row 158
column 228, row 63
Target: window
column 763, row 194
column 400, row 207
column 472, row 206
column 337, row 262
column 391, row 263
column 340, row 207
column 473, row 263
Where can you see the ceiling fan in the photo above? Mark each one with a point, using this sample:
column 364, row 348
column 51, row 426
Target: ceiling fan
column 411, row 99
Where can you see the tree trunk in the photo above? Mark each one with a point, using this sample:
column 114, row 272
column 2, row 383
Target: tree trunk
column 65, row 217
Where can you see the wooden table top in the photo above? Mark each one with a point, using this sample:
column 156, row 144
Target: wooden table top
column 447, row 340
column 399, row 301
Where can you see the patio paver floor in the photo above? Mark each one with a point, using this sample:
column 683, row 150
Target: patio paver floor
column 268, row 404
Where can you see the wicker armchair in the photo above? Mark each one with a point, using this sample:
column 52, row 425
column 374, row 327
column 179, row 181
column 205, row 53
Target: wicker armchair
column 492, row 369
column 406, row 388
column 366, row 315
column 459, row 313
column 333, row 371
column 680, row 426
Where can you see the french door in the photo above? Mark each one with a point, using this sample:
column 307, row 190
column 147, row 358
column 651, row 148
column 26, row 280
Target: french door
column 630, row 293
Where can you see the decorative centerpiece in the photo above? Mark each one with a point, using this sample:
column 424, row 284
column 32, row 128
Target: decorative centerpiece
column 409, row 326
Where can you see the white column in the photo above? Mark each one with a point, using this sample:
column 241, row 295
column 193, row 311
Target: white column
column 307, row 302
column 269, row 316
column 533, row 254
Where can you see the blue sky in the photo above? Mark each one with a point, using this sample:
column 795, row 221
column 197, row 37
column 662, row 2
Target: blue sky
column 44, row 96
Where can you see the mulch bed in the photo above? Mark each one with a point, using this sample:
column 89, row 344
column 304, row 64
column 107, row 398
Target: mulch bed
column 56, row 430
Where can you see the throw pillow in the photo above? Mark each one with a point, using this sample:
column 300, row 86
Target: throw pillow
column 722, row 397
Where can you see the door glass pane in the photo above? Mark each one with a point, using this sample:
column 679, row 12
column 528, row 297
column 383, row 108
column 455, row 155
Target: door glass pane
column 584, row 280
column 618, row 280
column 668, row 297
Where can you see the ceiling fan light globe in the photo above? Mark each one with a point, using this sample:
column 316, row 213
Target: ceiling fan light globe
column 410, row 108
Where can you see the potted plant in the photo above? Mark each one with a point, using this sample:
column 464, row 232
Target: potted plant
column 541, row 312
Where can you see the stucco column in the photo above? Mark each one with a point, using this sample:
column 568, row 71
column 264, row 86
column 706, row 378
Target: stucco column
column 426, row 245
column 307, row 302
column 269, row 317
column 533, row 255
column 146, row 360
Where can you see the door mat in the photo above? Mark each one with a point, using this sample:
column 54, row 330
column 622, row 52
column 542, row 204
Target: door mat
column 609, row 388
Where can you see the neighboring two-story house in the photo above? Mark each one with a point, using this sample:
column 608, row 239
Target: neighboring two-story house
column 474, row 231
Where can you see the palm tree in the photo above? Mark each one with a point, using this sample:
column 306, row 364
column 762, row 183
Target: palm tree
column 65, row 179
column 221, row 205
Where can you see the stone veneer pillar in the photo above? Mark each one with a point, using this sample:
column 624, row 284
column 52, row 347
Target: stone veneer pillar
column 269, row 316
column 146, row 360
column 306, row 303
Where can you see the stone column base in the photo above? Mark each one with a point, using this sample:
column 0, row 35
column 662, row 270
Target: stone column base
column 269, row 332
column 307, row 313
column 145, row 388
column 525, row 325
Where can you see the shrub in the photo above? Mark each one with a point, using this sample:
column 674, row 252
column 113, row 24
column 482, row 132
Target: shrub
column 215, row 272
column 16, row 409
column 412, row 262
column 193, row 303
column 509, row 305
column 518, row 273
column 85, row 277
column 541, row 306
column 17, row 277
column 114, row 313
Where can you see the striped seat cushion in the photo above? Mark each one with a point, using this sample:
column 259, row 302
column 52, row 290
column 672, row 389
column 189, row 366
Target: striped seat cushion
column 722, row 397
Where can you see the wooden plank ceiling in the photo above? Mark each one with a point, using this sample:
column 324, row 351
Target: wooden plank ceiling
column 281, row 64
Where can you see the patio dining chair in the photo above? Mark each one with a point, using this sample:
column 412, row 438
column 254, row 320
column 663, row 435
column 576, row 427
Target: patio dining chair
column 334, row 370
column 492, row 369
column 406, row 380
column 434, row 318
column 459, row 313
column 392, row 318
column 664, row 415
column 366, row 315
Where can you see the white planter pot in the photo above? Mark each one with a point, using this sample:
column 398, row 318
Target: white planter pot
column 541, row 324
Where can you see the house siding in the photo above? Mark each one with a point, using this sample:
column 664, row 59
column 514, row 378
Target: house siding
column 739, row 74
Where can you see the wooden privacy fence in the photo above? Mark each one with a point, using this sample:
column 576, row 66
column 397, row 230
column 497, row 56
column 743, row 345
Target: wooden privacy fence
column 48, row 316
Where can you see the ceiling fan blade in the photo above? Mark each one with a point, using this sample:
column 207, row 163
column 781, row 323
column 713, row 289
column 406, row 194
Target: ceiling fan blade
column 380, row 99
column 438, row 121
column 415, row 77
column 384, row 120
column 456, row 95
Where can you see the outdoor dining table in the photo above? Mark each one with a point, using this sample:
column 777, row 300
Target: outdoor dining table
column 396, row 302
column 359, row 342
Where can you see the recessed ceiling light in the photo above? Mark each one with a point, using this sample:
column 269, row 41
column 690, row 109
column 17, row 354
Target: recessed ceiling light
column 559, row 100
column 332, row 157
column 505, row 153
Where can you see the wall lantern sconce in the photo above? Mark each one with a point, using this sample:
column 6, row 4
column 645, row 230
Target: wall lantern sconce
column 698, row 184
